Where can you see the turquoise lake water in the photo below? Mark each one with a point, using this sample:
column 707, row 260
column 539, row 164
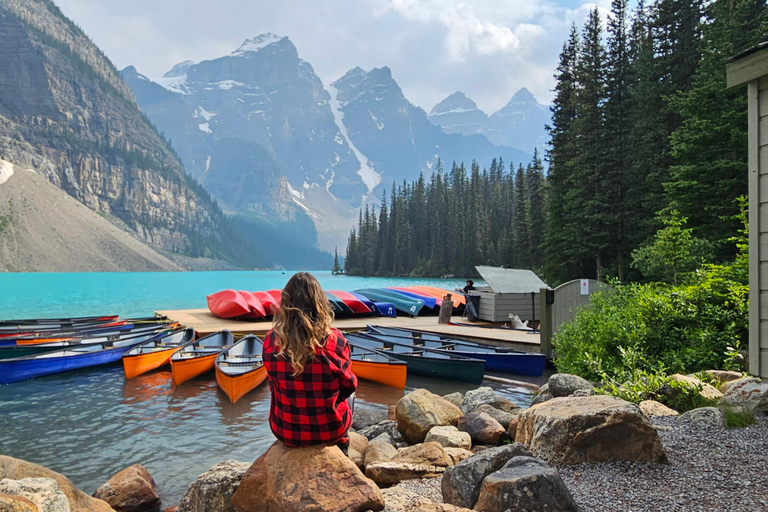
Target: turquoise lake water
column 92, row 423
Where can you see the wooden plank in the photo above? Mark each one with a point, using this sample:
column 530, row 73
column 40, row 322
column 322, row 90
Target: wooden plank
column 755, row 267
column 203, row 321
column 748, row 68
column 763, row 133
column 763, row 364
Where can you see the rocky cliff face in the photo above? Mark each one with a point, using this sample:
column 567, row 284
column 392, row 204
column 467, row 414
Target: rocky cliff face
column 66, row 112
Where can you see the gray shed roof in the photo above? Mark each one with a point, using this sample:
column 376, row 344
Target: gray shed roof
column 511, row 280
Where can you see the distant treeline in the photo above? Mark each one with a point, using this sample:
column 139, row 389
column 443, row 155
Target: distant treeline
column 643, row 130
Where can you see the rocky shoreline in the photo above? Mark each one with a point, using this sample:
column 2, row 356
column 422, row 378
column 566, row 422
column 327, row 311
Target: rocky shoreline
column 570, row 451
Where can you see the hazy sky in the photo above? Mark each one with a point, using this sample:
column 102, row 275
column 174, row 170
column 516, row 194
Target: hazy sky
column 487, row 49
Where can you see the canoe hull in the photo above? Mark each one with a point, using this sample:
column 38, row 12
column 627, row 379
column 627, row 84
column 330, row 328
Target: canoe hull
column 185, row 369
column 384, row 373
column 237, row 386
column 135, row 365
column 463, row 370
column 522, row 364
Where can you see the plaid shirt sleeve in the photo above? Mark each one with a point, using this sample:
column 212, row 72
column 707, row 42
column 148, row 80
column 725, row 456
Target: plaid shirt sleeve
column 310, row 408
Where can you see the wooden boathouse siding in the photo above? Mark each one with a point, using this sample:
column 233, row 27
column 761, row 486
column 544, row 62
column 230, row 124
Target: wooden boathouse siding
column 751, row 68
column 496, row 307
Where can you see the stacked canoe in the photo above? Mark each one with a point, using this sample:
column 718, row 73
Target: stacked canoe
column 388, row 302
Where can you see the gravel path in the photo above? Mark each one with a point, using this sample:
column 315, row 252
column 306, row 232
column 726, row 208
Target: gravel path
column 709, row 470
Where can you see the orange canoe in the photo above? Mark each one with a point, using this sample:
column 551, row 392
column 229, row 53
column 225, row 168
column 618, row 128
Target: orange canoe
column 240, row 368
column 379, row 367
column 438, row 293
column 199, row 357
column 154, row 354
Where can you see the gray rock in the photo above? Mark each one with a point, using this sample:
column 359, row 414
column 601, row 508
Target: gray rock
column 705, row 416
column 751, row 394
column 462, row 483
column 525, row 483
column 213, row 490
column 366, row 416
column 420, row 410
column 485, row 395
column 450, row 437
column 383, row 437
column 502, row 417
column 43, row 492
column 383, row 427
column 542, row 395
column 564, row 384
column 455, row 398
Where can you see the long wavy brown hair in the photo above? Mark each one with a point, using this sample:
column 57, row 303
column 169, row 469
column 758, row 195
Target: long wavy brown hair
column 304, row 320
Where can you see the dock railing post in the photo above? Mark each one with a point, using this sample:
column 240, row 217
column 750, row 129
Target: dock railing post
column 545, row 325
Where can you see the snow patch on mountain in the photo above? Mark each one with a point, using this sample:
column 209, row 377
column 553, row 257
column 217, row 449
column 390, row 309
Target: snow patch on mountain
column 257, row 43
column 177, row 84
column 204, row 127
column 370, row 177
column 226, row 85
column 6, row 171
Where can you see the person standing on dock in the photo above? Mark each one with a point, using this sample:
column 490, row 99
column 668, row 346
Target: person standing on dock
column 309, row 369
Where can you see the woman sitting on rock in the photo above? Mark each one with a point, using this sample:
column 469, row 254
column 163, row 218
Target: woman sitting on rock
column 309, row 370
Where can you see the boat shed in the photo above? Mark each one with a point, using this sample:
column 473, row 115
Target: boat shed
column 510, row 292
column 751, row 68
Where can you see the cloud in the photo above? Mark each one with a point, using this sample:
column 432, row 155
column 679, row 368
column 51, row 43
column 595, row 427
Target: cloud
column 488, row 49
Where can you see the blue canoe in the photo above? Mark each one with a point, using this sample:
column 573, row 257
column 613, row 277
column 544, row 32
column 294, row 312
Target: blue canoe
column 378, row 308
column 425, row 361
column 499, row 359
column 408, row 305
column 84, row 356
column 429, row 302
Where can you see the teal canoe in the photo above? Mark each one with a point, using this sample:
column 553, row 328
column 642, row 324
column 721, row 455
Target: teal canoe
column 408, row 305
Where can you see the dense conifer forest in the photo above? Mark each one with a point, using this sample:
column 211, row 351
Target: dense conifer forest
column 644, row 133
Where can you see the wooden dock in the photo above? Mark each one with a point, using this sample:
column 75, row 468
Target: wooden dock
column 203, row 321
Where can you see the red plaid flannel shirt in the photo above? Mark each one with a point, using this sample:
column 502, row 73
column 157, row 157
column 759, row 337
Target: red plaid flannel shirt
column 311, row 407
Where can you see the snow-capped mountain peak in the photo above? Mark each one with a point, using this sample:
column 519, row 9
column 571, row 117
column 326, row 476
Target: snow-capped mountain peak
column 179, row 69
column 257, row 43
column 455, row 103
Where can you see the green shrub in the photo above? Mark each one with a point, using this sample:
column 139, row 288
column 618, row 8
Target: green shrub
column 738, row 417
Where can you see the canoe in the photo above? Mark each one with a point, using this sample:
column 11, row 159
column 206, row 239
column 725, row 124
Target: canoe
column 357, row 306
column 429, row 302
column 28, row 349
column 155, row 353
column 425, row 361
column 407, row 305
column 240, row 368
column 53, row 323
column 340, row 309
column 271, row 305
column 228, row 304
column 378, row 366
column 199, row 356
column 84, row 356
column 501, row 359
column 379, row 308
column 29, row 337
column 254, row 304
column 457, row 298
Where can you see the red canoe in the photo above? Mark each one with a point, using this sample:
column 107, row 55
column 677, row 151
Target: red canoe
column 228, row 304
column 271, row 305
column 355, row 304
column 254, row 304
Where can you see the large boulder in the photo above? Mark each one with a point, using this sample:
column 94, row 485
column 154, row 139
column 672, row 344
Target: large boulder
column 312, row 478
column 43, row 492
column 15, row 503
column 379, row 450
column 570, row 430
column 458, row 454
column 503, row 417
column 653, row 408
column 565, row 384
column 461, row 483
column 419, row 411
column 426, row 454
column 542, row 395
column 723, row 376
column 751, row 394
column 525, row 483
column 450, row 437
column 402, row 500
column 16, row 469
column 213, row 490
column 708, row 391
column 388, row 473
column 456, row 398
column 486, row 396
column 704, row 416
column 131, row 490
column 482, row 428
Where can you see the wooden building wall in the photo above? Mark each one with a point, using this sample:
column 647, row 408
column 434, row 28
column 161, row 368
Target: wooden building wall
column 496, row 307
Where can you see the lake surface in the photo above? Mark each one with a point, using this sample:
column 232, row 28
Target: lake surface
column 92, row 423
